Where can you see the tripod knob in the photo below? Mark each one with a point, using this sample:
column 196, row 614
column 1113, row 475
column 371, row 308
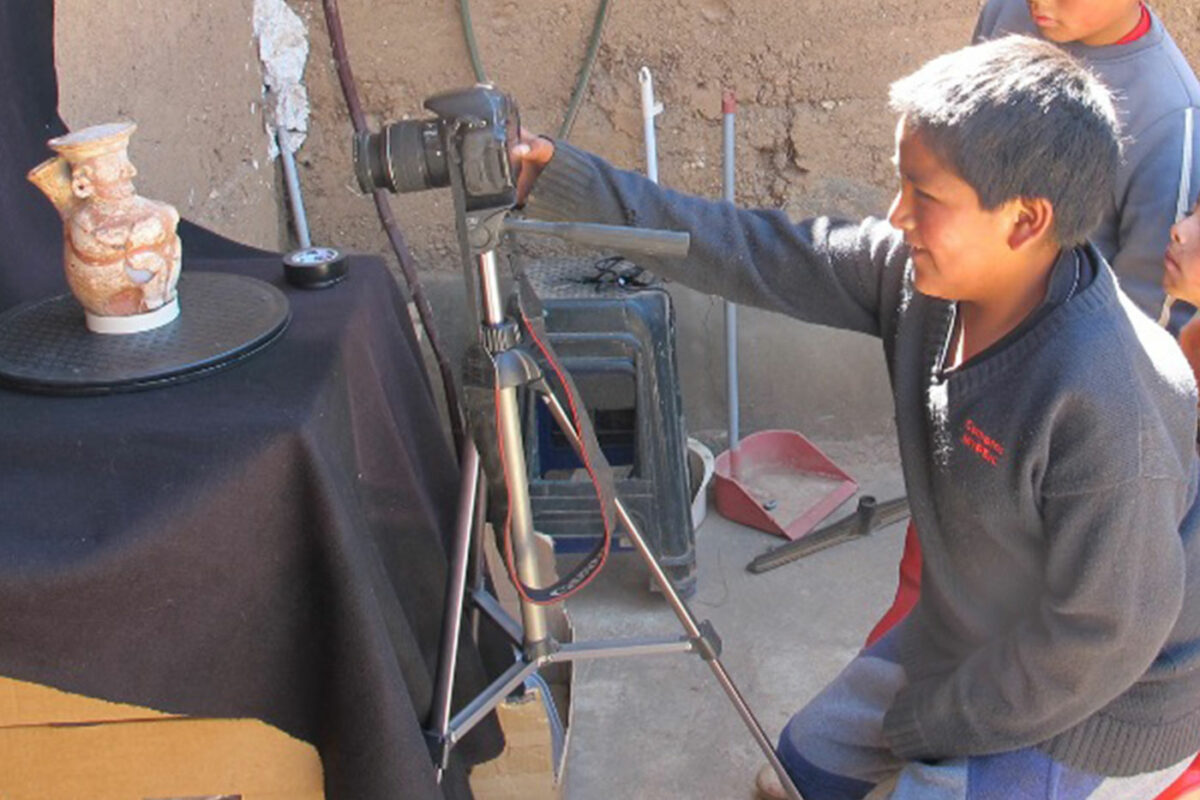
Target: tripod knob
column 500, row 337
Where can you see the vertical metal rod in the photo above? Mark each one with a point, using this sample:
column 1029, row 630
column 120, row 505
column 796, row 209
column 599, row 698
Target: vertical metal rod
column 456, row 581
column 728, row 109
column 650, row 110
column 489, row 288
column 682, row 612
column 508, row 431
column 533, row 617
column 475, row 584
column 292, row 181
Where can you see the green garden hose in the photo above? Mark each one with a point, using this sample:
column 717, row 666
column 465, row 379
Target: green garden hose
column 585, row 72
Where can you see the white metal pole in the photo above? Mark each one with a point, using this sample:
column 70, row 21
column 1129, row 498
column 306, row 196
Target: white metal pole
column 650, row 110
column 728, row 110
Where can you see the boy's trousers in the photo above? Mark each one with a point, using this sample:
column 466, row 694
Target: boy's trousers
column 834, row 750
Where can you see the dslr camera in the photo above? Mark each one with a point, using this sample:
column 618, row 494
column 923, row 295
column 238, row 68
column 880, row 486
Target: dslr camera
column 469, row 134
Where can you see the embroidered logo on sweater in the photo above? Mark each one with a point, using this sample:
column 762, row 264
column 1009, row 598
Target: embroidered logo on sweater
column 983, row 445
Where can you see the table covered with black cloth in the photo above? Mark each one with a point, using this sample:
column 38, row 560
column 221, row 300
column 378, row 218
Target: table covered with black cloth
column 268, row 540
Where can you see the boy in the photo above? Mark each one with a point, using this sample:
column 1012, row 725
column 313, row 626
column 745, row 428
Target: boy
column 1046, row 433
column 1157, row 97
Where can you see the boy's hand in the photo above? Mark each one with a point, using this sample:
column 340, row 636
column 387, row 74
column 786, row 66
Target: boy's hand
column 529, row 157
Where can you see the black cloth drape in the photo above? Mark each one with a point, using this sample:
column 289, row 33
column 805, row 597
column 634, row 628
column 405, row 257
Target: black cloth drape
column 266, row 541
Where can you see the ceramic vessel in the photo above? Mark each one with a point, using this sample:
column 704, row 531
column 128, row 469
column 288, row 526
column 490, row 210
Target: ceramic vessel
column 122, row 252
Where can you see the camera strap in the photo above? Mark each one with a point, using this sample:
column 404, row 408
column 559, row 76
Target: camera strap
column 531, row 320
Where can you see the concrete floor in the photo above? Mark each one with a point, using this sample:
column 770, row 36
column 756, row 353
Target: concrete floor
column 657, row 727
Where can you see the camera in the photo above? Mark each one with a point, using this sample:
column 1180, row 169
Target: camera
column 469, row 134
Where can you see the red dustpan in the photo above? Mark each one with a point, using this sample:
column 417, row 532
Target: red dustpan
column 779, row 482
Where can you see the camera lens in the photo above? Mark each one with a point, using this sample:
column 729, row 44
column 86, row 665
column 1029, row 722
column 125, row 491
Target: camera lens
column 405, row 156
column 368, row 163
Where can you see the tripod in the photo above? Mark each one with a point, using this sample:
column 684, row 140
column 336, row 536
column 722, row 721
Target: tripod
column 496, row 369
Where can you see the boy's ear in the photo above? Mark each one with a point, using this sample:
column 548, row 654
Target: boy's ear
column 1033, row 221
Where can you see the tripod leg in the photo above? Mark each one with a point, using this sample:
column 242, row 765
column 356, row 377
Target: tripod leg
column 476, row 561
column 456, row 581
column 703, row 635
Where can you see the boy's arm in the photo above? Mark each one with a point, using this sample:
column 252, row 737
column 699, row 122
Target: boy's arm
column 832, row 273
column 1113, row 589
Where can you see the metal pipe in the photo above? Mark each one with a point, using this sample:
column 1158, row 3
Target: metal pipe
column 292, row 181
column 456, row 584
column 616, row 648
column 728, row 109
column 533, row 616
column 512, row 444
column 489, row 288
column 650, row 110
column 497, row 613
column 489, row 698
column 477, row 559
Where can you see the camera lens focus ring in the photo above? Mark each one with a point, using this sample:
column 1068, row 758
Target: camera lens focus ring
column 414, row 156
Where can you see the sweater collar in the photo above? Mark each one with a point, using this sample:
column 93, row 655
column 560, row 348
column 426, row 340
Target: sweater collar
column 1065, row 300
column 1114, row 52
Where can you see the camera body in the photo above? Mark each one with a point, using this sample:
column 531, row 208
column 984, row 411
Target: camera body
column 470, row 134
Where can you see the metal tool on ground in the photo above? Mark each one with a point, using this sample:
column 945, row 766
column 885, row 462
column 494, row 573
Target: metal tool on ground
column 773, row 480
column 869, row 516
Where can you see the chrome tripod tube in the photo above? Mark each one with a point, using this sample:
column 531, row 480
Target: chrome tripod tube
column 512, row 447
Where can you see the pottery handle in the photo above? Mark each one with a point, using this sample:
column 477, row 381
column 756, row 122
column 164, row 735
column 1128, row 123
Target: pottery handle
column 53, row 177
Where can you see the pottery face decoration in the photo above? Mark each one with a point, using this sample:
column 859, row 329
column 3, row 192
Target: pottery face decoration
column 122, row 252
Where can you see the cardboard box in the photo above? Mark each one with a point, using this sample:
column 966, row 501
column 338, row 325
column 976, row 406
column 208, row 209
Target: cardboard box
column 526, row 770
column 60, row 746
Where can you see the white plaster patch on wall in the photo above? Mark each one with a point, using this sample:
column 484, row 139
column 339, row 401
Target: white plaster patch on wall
column 283, row 49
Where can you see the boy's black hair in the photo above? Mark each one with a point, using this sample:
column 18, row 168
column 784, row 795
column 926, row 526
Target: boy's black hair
column 1018, row 117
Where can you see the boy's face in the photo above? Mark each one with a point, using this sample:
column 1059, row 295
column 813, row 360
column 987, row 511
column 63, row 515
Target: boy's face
column 959, row 250
column 1091, row 22
column 1181, row 267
